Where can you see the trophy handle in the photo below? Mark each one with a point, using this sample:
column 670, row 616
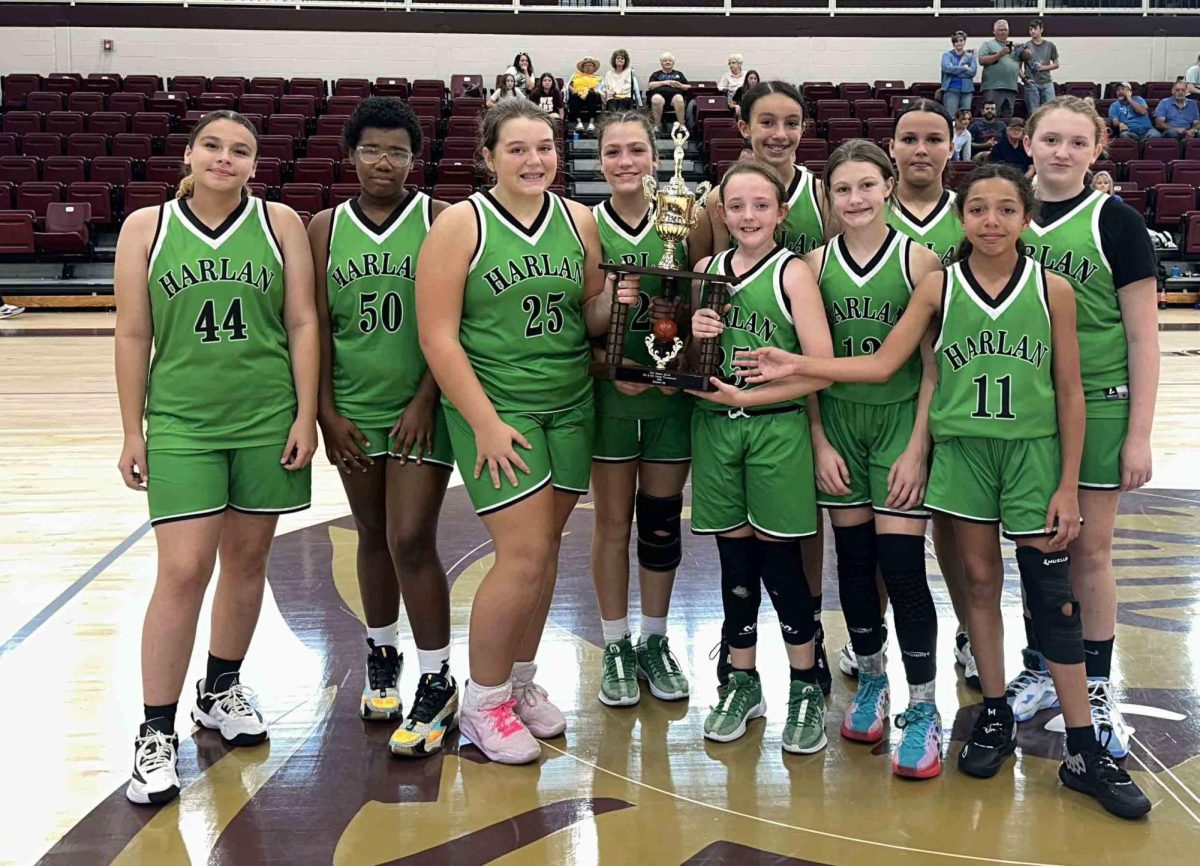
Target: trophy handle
column 614, row 344
column 714, row 296
column 650, row 187
column 702, row 190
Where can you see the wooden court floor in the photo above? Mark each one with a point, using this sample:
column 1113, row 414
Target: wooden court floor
column 623, row 786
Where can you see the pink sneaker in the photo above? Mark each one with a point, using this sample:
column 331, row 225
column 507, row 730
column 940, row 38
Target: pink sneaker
column 544, row 720
column 497, row 731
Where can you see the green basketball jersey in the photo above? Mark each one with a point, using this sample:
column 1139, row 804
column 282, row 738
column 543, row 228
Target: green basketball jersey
column 377, row 360
column 522, row 314
column 221, row 376
column 759, row 313
column 994, row 359
column 1071, row 246
column 804, row 229
column 862, row 304
column 940, row 231
column 634, row 245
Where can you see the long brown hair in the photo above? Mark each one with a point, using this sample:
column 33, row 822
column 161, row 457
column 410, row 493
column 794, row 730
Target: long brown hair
column 993, row 171
column 187, row 183
column 856, row 150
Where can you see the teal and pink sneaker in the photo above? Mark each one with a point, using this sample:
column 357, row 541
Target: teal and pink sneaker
column 868, row 712
column 919, row 754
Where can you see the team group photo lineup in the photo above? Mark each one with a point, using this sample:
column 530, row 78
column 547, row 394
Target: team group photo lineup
column 881, row 372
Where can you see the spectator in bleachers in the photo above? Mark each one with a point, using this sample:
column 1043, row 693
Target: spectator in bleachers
column 1103, row 182
column 1001, row 69
column 583, row 94
column 619, row 88
column 1011, row 148
column 547, row 95
column 1192, row 78
column 958, row 74
column 752, row 78
column 506, row 88
column 526, row 78
column 985, row 132
column 732, row 80
column 1130, row 116
column 1041, row 58
column 962, row 135
column 667, row 85
column 1177, row 116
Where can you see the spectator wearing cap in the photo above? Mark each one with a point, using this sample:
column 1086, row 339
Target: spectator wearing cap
column 1176, row 116
column 583, row 94
column 1011, row 148
column 734, row 78
column 619, row 88
column 1001, row 69
column 667, row 85
column 958, row 74
column 1130, row 116
column 1041, row 58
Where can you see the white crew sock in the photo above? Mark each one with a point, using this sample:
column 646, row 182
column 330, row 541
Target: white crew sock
column 523, row 672
column 653, row 625
column 614, row 629
column 431, row 661
column 486, row 696
column 386, row 634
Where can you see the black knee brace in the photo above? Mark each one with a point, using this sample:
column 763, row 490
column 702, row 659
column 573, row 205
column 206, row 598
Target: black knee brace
column 1046, row 578
column 783, row 576
column 659, row 547
column 740, row 590
column 856, row 560
column 902, row 561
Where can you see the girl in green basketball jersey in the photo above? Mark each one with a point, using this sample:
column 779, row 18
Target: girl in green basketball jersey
column 1101, row 246
column 643, row 442
column 772, row 119
column 221, row 285
column 752, row 478
column 871, row 446
column 1007, row 419
column 501, row 287
column 382, row 424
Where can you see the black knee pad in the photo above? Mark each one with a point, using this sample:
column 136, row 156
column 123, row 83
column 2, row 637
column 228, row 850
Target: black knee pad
column 902, row 561
column 857, row 554
column 1046, row 578
column 740, row 590
column 659, row 547
column 783, row 576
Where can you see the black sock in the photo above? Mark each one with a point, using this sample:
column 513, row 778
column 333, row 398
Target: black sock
column 997, row 704
column 752, row 671
column 1081, row 739
column 817, row 608
column 218, row 668
column 1097, row 657
column 161, row 718
column 805, row 675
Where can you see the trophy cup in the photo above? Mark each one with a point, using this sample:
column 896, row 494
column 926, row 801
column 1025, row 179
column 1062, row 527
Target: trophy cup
column 675, row 211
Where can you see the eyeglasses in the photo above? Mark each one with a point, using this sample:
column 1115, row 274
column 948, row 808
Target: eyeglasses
column 370, row 155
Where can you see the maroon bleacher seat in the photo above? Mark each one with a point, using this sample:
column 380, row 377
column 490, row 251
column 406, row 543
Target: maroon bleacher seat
column 340, row 192
column 853, row 90
column 1136, row 199
column 146, row 85
column 269, row 171
column 286, row 124
column 164, row 169
column 303, row 196
column 152, row 123
column 719, row 168
column 1184, row 171
column 231, row 84
column 391, row 85
column 880, row 129
column 347, row 173
column 282, row 147
column 331, row 124
column 257, row 121
column 1171, row 202
column 108, row 122
column 815, row 90
column 114, row 170
column 460, row 84
column 16, row 234
column 452, row 193
column 1124, row 149
column 456, row 171
column 143, row 193
column 342, row 104
column 191, row 85
column 901, row 103
column 828, row 109
column 44, row 101
column 885, row 90
column 175, row 144
column 714, row 127
column 298, row 103
column 65, row 122
column 314, row 87
column 37, row 196
column 1145, row 173
column 327, row 147
column 711, row 108
column 66, row 229
column 843, row 128
column 257, row 103
column 959, row 169
column 1081, row 89
column 42, row 144
column 1156, row 90
column 810, row 149
column 258, row 190
column 865, row 109
column 9, row 144
column 360, row 88
column 6, row 195
column 207, row 102
column 17, row 86
column 1191, row 149
column 1163, row 149
column 87, row 144
column 174, row 103
column 129, row 103
column 64, row 169
column 19, row 169
column 924, row 89
column 310, row 169
column 459, row 148
column 86, row 101
column 426, row 106
column 429, row 128
column 470, row 106
column 1105, row 165
column 98, row 195
column 102, row 82
column 428, row 87
column 22, row 122
column 133, row 145
column 1191, row 234
column 725, row 149
column 272, row 86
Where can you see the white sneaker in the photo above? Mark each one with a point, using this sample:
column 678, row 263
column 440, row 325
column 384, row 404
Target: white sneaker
column 591, row 127
column 1111, row 730
column 154, row 780
column 848, row 661
column 544, row 720
column 496, row 730
column 232, row 712
column 1029, row 693
column 964, row 656
column 380, row 700
column 7, row 311
column 579, row 126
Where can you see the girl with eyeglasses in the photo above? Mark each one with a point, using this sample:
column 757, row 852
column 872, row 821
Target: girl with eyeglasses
column 382, row 422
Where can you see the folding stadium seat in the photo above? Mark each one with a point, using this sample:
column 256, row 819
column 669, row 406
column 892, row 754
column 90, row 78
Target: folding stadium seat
column 810, row 150
column 1123, row 149
column 1145, row 173
column 137, row 147
column 191, row 85
column 87, row 144
column 299, row 103
column 901, row 103
column 429, row 128
column 207, row 102
column 305, row 217
column 391, row 86
column 37, row 196
column 880, row 129
column 8, row 144
column 459, row 148
column 865, row 109
column 885, row 90
column 1185, row 171
column 816, row 166
column 64, row 169
column 426, row 106
column 175, row 144
column 16, row 234
column 853, row 90
column 1162, row 149
column 924, row 89
column 452, row 193
column 1171, row 202
column 257, row 121
column 959, row 169
column 141, row 193
column 44, row 101
column 828, row 109
column 433, row 88
column 1081, row 89
column 725, row 150
column 286, row 124
column 273, row 87
column 456, row 171
column 1156, row 90
column 347, row 173
column 16, row 87
column 1191, row 149
column 66, row 229
column 1102, row 107
column 108, row 122
column 257, row 103
column 114, row 170
column 6, row 195
column 1105, row 165
column 842, row 128
column 281, row 147
column 318, row 170
column 164, row 169
column 816, row 90
column 258, row 190
column 102, row 82
column 359, row 88
column 65, row 122
column 23, row 122
column 714, row 128
column 341, row 192
column 146, row 85
column 326, row 147
column 331, row 124
column 303, row 196
column 269, row 171
column 86, row 101
column 342, row 104
column 152, row 123
column 712, row 108
column 128, row 103
column 19, row 169
column 1191, row 234
column 231, row 84
column 416, row 174
column 65, row 85
column 314, row 87
column 174, row 103
column 42, row 144
column 460, row 84
column 1136, row 199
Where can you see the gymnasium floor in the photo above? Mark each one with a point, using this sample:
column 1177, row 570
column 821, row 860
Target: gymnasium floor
column 623, row 786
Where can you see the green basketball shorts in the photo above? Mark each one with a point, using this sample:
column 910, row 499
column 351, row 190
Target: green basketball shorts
column 381, row 446
column 651, row 440
column 1103, row 439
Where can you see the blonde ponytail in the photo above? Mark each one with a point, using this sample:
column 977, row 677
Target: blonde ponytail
column 187, row 186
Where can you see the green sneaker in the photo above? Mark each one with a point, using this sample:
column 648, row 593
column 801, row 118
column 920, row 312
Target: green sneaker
column 804, row 731
column 618, row 684
column 658, row 667
column 739, row 700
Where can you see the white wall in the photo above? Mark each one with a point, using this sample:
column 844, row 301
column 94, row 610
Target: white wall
column 436, row 55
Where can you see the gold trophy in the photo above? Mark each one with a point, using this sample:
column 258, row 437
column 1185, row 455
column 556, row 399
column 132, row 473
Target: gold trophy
column 676, row 210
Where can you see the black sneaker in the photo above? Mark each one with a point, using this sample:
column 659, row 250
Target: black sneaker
column 1096, row 774
column 824, row 677
column 993, row 738
column 433, row 714
column 380, row 700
